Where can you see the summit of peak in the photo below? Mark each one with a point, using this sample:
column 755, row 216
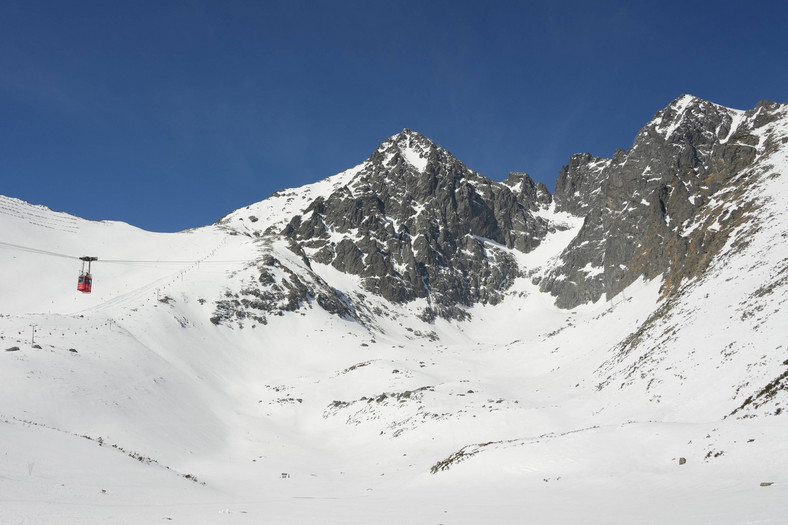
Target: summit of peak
column 411, row 145
column 408, row 138
column 685, row 99
column 687, row 110
column 678, row 107
column 407, row 132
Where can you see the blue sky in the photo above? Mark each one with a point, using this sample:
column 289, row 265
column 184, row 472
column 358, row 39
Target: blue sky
column 169, row 114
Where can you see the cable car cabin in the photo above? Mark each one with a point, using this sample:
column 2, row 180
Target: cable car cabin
column 85, row 283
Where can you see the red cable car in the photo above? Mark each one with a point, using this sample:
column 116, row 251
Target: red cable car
column 85, row 282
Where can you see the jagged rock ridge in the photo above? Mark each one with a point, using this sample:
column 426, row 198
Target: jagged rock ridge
column 663, row 206
column 414, row 223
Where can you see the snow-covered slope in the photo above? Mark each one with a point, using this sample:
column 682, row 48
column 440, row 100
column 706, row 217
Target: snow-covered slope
column 182, row 390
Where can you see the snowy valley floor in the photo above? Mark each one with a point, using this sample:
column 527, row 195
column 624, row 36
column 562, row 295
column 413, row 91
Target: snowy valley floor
column 143, row 420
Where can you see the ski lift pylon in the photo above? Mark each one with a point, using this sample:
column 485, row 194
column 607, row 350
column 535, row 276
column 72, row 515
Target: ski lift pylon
column 85, row 282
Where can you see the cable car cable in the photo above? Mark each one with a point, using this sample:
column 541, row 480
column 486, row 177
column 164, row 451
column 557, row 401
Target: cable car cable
column 36, row 250
column 114, row 261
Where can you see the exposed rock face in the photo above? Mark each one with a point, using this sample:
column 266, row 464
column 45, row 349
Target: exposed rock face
column 528, row 191
column 272, row 287
column 579, row 188
column 412, row 222
column 415, row 222
column 650, row 210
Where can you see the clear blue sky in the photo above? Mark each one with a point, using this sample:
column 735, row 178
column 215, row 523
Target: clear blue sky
column 169, row 114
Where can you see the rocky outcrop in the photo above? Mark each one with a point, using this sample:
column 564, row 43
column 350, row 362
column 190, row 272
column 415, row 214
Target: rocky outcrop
column 534, row 195
column 417, row 223
column 650, row 211
column 414, row 223
column 272, row 288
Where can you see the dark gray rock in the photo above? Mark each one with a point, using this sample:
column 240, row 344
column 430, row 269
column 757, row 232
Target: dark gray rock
column 417, row 223
column 277, row 290
column 530, row 194
column 348, row 258
column 639, row 205
column 579, row 187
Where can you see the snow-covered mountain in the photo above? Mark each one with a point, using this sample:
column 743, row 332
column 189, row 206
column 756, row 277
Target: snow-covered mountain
column 411, row 223
column 410, row 342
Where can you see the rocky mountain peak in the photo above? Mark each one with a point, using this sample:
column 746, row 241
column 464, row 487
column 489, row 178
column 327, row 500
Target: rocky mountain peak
column 690, row 115
column 413, row 223
column 653, row 209
column 409, row 146
column 416, row 223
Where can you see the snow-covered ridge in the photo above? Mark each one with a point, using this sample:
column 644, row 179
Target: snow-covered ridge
column 276, row 210
column 414, row 147
column 687, row 107
column 279, row 208
column 40, row 215
column 679, row 107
